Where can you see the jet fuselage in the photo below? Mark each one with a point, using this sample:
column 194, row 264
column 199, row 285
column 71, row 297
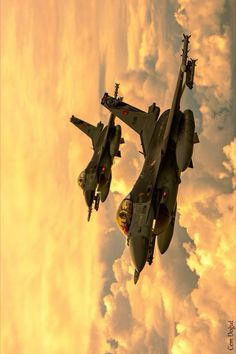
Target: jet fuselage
column 154, row 194
column 98, row 171
column 95, row 180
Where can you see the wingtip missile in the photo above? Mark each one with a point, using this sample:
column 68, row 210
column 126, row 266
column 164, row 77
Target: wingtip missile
column 185, row 51
column 190, row 70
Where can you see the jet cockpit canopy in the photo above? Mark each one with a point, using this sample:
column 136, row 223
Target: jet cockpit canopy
column 81, row 179
column 124, row 215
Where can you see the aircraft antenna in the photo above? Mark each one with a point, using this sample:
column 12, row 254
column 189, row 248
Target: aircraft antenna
column 116, row 90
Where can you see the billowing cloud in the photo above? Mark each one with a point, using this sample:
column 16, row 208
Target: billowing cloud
column 205, row 201
column 212, row 258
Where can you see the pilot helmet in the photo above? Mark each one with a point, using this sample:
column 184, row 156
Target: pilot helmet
column 81, row 179
column 124, row 215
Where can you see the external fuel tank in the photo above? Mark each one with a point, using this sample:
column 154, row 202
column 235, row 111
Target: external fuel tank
column 185, row 140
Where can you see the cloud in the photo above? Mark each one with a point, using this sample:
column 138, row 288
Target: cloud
column 209, row 215
column 205, row 198
column 52, row 274
column 230, row 164
column 212, row 258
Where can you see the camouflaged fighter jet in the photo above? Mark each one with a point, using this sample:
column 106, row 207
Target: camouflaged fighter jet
column 95, row 180
column 148, row 212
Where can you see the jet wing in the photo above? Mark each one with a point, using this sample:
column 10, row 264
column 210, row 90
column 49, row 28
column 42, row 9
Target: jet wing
column 141, row 122
column 89, row 129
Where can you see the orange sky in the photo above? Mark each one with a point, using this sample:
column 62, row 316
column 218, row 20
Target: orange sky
column 66, row 285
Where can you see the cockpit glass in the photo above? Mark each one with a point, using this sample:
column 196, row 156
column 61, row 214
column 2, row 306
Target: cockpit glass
column 124, row 215
column 81, row 179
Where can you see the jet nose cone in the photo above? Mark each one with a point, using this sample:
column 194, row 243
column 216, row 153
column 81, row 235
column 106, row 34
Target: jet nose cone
column 89, row 195
column 138, row 251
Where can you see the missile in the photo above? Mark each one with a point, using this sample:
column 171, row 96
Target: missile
column 190, row 72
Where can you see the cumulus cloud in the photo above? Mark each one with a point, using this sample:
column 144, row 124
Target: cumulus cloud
column 209, row 217
column 212, row 258
column 230, row 152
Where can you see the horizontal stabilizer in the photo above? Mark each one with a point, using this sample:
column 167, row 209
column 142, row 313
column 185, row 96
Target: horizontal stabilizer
column 196, row 138
column 191, row 164
column 118, row 154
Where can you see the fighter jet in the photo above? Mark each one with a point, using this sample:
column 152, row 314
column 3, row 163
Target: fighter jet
column 95, row 180
column 148, row 212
